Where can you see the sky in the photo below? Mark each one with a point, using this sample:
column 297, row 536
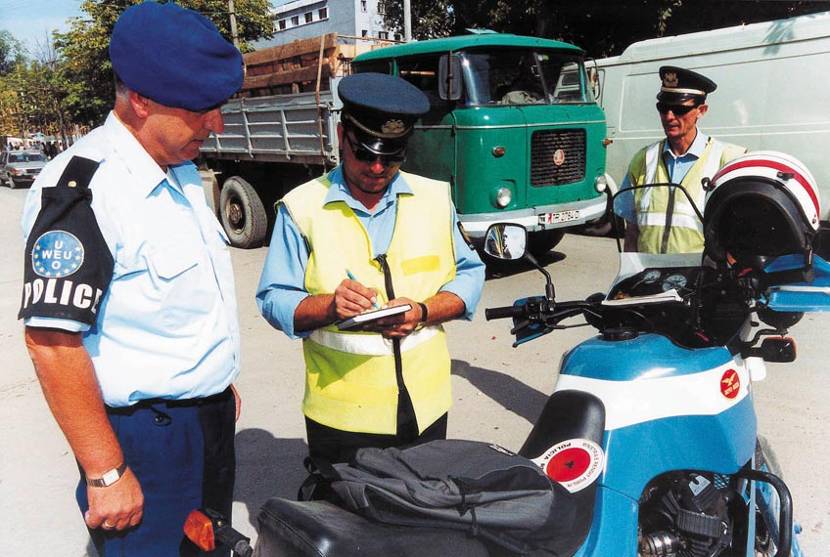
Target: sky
column 30, row 20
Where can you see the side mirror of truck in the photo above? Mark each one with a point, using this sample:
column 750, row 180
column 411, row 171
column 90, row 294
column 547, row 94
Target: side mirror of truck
column 449, row 77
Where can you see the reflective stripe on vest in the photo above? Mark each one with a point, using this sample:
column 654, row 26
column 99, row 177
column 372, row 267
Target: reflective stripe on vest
column 351, row 382
column 370, row 344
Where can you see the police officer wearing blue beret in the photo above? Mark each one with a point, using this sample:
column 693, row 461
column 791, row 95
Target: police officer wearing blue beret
column 128, row 297
column 368, row 235
column 660, row 220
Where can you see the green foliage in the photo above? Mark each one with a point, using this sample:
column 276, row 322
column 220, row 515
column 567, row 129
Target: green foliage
column 11, row 52
column 87, row 71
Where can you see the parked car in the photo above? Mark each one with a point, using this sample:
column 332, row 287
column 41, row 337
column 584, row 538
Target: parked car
column 19, row 168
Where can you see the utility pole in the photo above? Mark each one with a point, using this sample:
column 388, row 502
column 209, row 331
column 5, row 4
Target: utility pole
column 234, row 35
column 407, row 20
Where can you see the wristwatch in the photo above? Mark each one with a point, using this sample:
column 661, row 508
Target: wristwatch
column 109, row 477
column 424, row 312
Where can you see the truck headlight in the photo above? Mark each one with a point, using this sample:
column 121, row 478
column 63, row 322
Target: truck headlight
column 601, row 183
column 503, row 197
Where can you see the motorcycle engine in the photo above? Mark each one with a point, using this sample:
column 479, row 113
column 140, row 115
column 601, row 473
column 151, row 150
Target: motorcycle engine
column 685, row 515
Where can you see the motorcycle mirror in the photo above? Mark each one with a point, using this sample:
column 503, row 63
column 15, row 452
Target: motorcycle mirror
column 506, row 242
column 776, row 349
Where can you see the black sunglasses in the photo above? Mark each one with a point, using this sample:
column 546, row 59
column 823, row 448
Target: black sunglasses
column 677, row 109
column 363, row 154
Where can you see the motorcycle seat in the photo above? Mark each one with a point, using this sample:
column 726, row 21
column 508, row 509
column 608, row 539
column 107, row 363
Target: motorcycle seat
column 321, row 529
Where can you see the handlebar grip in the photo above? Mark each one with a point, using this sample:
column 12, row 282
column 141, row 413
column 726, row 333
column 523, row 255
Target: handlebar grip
column 503, row 312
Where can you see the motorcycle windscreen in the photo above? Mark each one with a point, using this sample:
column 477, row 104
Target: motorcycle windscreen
column 662, row 245
column 811, row 294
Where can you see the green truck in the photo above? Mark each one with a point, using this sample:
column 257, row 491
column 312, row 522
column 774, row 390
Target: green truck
column 513, row 127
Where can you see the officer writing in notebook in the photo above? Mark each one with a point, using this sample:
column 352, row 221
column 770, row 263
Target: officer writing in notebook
column 661, row 220
column 397, row 236
column 128, row 296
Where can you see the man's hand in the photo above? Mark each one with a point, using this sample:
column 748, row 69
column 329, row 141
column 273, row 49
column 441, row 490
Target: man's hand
column 352, row 298
column 117, row 507
column 397, row 326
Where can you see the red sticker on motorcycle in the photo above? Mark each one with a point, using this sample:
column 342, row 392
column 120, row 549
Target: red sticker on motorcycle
column 730, row 383
column 575, row 463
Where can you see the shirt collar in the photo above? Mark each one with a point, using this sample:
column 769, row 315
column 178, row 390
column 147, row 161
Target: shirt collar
column 339, row 191
column 695, row 149
column 146, row 172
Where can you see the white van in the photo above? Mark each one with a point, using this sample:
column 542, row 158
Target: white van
column 773, row 90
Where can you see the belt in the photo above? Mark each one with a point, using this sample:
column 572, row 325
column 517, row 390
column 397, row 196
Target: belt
column 171, row 403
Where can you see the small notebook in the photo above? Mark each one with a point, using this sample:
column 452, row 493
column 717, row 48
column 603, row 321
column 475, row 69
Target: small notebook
column 361, row 318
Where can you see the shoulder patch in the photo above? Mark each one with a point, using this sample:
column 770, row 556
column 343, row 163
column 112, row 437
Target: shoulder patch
column 57, row 253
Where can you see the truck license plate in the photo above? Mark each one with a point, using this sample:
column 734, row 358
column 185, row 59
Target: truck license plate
column 561, row 216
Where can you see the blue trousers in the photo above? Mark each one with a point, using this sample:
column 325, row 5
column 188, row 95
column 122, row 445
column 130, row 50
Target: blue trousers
column 182, row 453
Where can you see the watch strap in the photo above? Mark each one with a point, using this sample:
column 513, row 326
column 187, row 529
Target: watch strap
column 109, row 477
column 424, row 312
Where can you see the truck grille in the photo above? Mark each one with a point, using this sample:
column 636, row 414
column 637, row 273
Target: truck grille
column 557, row 157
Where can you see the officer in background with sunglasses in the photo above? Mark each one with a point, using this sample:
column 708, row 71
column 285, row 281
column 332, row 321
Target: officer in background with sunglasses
column 661, row 220
column 367, row 235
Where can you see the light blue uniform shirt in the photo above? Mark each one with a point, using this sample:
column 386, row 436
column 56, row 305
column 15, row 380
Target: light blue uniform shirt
column 167, row 325
column 677, row 167
column 282, row 284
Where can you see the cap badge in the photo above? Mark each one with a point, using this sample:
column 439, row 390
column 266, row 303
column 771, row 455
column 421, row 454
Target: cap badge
column 393, row 126
column 670, row 79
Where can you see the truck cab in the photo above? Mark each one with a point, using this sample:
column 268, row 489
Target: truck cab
column 513, row 127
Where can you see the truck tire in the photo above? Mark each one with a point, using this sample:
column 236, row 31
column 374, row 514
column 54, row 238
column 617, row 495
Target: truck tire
column 242, row 213
column 539, row 243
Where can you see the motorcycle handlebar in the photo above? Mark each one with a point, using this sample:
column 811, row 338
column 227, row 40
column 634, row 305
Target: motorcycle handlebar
column 503, row 312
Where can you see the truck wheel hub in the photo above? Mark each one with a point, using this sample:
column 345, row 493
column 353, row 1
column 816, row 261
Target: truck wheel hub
column 235, row 214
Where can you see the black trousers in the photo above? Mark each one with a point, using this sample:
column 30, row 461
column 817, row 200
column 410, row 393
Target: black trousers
column 335, row 445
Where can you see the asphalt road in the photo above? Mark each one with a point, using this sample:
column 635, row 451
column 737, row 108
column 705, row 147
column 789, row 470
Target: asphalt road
column 498, row 393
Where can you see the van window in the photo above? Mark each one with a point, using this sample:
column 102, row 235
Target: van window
column 523, row 76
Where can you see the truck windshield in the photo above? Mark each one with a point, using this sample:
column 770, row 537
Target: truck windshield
column 521, row 77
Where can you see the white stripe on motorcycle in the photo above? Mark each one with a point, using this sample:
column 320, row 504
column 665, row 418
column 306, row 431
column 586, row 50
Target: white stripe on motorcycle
column 634, row 402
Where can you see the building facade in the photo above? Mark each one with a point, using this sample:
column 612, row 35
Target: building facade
column 304, row 19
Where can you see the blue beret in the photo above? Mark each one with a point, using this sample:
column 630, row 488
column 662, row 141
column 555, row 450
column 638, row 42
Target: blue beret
column 174, row 56
column 382, row 105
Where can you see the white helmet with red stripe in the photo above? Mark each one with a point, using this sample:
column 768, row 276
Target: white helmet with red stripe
column 764, row 204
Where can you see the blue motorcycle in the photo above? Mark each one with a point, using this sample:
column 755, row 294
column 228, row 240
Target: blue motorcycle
column 651, row 427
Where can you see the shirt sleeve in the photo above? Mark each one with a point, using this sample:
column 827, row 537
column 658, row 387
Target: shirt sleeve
column 469, row 272
column 624, row 202
column 68, row 266
column 282, row 284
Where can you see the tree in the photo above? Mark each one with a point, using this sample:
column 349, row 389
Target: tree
column 11, row 52
column 83, row 49
column 602, row 28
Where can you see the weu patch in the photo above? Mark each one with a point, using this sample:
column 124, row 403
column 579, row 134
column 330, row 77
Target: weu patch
column 69, row 264
column 57, row 254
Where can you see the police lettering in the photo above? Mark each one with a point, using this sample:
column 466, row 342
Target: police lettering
column 61, row 292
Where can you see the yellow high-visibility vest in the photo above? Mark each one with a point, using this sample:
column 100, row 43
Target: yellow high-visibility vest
column 651, row 204
column 350, row 376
